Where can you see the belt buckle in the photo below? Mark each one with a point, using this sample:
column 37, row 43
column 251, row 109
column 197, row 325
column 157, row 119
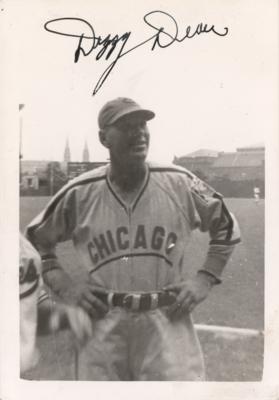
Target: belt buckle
column 133, row 304
column 154, row 300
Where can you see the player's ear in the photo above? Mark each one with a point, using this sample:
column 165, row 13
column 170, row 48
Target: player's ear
column 103, row 137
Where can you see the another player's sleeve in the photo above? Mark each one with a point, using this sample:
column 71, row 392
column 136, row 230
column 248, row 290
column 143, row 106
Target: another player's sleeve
column 29, row 287
column 215, row 218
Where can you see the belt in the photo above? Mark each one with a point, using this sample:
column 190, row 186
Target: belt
column 138, row 301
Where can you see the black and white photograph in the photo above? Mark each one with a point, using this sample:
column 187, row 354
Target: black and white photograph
column 139, row 216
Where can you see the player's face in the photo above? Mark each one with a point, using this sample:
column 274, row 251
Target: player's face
column 128, row 139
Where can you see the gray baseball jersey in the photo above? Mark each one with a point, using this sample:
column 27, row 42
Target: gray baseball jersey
column 141, row 246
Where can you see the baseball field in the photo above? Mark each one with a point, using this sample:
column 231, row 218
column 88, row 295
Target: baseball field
column 237, row 302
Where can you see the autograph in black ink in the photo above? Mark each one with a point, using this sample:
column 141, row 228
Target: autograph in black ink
column 115, row 46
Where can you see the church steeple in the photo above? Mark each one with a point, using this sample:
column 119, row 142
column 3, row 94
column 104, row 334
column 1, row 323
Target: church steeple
column 85, row 154
column 67, row 152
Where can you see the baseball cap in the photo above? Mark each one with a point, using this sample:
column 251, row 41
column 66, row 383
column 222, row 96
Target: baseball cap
column 115, row 109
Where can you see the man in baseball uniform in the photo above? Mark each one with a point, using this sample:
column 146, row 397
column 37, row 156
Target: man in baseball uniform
column 130, row 223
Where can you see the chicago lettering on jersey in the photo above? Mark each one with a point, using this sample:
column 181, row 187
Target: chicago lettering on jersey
column 110, row 243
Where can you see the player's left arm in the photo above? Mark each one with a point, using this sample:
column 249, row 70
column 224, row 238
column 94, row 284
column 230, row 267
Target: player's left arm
column 223, row 230
column 210, row 213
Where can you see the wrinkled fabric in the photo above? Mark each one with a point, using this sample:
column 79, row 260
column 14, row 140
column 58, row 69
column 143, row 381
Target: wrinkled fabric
column 141, row 346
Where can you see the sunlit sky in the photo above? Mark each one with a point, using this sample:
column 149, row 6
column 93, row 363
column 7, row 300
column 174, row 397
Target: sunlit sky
column 207, row 92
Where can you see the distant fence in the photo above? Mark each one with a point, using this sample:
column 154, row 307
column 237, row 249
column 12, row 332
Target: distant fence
column 54, row 178
column 42, row 191
column 242, row 189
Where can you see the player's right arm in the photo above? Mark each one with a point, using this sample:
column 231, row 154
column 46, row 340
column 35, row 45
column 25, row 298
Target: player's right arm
column 56, row 224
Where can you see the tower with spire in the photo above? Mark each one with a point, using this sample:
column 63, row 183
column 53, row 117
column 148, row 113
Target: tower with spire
column 67, row 152
column 85, row 154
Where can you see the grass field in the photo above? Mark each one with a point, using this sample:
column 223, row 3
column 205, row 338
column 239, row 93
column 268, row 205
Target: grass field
column 237, row 302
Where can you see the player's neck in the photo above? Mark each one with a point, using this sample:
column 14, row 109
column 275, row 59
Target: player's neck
column 127, row 178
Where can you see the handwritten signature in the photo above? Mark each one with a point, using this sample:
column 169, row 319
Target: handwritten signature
column 115, row 47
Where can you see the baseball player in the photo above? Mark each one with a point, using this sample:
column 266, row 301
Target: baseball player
column 38, row 313
column 130, row 222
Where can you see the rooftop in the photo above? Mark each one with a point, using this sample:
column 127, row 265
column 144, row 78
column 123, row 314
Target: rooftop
column 202, row 153
column 240, row 159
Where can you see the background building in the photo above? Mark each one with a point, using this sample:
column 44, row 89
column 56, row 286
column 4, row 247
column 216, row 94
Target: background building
column 234, row 174
column 85, row 154
column 45, row 178
column 34, row 179
column 245, row 163
column 200, row 162
column 67, row 152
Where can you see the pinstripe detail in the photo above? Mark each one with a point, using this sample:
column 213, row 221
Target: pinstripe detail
column 52, row 206
column 118, row 198
column 217, row 195
column 142, row 191
column 50, row 209
column 115, row 195
column 131, row 255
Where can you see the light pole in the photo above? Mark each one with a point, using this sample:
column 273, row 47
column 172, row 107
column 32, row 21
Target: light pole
column 20, row 143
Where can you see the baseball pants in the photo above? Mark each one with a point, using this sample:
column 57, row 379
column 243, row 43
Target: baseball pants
column 141, row 346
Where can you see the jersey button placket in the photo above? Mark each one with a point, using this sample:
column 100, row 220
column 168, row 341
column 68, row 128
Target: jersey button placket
column 130, row 259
